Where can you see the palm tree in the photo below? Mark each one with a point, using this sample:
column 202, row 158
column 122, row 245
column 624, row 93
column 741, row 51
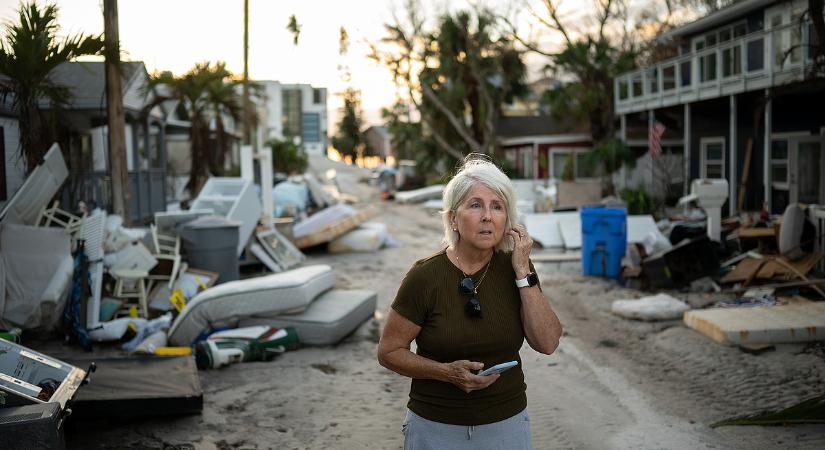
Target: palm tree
column 28, row 55
column 205, row 93
column 223, row 100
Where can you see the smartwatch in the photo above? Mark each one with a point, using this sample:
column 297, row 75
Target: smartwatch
column 529, row 281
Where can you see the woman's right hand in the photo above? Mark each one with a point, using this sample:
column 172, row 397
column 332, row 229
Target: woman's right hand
column 460, row 374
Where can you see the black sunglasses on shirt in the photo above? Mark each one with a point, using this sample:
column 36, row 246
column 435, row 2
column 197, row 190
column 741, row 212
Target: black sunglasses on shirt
column 472, row 308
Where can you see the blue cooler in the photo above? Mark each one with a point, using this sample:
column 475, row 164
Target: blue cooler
column 604, row 241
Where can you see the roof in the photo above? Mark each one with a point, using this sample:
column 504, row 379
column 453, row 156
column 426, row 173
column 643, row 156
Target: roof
column 718, row 18
column 87, row 81
column 380, row 129
column 521, row 126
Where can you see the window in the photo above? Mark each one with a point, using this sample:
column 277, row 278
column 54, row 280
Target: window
column 560, row 159
column 291, row 112
column 311, row 127
column 317, row 96
column 713, row 157
column 779, row 161
column 668, row 77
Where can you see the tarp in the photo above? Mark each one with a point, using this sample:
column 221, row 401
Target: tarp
column 38, row 268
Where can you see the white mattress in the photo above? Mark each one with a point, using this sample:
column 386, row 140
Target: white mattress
column 329, row 318
column 225, row 304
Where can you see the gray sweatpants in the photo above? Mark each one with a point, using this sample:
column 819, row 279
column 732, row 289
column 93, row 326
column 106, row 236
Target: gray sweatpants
column 423, row 434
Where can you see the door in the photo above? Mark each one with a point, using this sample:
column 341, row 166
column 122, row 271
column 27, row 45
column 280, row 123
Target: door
column 805, row 178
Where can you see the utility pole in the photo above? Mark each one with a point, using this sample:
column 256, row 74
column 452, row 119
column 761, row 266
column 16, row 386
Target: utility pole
column 115, row 121
column 247, row 106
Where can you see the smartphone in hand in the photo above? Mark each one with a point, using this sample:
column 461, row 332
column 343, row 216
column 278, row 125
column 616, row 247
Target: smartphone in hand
column 498, row 368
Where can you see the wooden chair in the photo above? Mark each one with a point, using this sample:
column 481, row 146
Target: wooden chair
column 51, row 216
column 166, row 248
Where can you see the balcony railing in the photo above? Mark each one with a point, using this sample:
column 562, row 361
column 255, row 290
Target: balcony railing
column 754, row 61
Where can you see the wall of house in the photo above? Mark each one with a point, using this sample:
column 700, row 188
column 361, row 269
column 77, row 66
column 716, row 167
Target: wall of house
column 15, row 171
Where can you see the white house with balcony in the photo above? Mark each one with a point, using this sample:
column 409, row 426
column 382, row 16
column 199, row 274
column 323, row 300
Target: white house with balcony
column 295, row 112
column 737, row 104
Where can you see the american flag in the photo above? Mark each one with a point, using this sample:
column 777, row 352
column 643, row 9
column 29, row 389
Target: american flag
column 656, row 131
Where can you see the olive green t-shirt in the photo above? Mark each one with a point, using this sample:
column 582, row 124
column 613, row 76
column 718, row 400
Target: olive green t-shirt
column 429, row 297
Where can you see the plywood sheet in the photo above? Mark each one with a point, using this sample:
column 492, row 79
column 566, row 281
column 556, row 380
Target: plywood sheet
column 799, row 322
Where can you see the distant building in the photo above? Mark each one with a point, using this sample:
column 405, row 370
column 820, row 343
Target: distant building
column 296, row 111
column 379, row 142
column 538, row 147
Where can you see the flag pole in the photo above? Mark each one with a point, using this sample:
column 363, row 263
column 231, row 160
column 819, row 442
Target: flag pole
column 650, row 122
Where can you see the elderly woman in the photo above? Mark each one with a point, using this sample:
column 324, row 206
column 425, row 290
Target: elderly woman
column 470, row 307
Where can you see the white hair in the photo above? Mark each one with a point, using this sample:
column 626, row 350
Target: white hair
column 478, row 169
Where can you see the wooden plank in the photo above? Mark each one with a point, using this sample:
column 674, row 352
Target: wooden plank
column 797, row 322
column 556, row 257
column 335, row 229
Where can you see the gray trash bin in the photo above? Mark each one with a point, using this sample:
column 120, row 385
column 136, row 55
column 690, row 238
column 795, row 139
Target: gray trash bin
column 211, row 243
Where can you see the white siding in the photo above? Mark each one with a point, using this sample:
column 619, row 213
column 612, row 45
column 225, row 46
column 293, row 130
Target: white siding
column 15, row 166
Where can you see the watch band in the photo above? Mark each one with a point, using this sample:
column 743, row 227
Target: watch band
column 523, row 282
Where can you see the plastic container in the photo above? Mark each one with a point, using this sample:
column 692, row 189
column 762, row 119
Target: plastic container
column 604, row 241
column 210, row 243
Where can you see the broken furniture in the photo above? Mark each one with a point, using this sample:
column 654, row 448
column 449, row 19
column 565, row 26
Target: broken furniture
column 328, row 319
column 328, row 224
column 131, row 284
column 56, row 216
column 270, row 295
column 139, row 387
column 166, row 249
column 210, row 243
column 689, row 260
column 93, row 232
column 234, row 199
column 39, row 188
column 710, row 194
column 280, row 249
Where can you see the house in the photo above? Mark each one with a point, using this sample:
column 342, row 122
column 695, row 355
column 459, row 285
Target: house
column 296, row 111
column 85, row 116
column 538, row 147
column 736, row 104
column 379, row 142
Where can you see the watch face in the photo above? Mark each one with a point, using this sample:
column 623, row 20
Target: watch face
column 532, row 279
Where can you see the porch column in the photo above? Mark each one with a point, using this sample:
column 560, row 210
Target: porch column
column 162, row 156
column 136, row 211
column 686, row 145
column 535, row 160
column 623, row 137
column 732, row 183
column 766, row 155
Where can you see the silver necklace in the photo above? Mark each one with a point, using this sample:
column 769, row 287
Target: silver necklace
column 480, row 280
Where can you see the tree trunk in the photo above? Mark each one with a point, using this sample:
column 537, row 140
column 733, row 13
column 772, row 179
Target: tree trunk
column 115, row 120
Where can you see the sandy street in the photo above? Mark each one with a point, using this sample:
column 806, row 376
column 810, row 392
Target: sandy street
column 612, row 383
